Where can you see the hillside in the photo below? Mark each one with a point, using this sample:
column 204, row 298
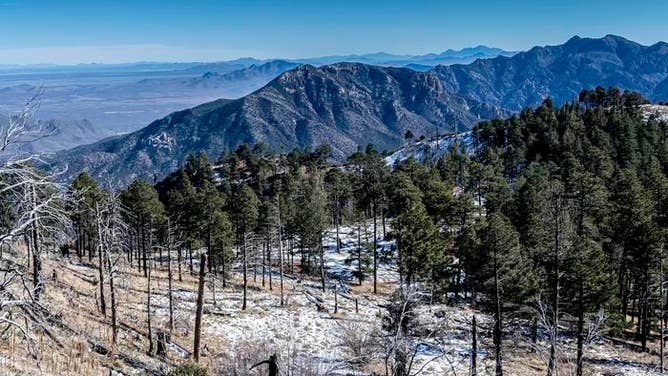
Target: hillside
column 560, row 72
column 347, row 105
column 343, row 105
column 321, row 334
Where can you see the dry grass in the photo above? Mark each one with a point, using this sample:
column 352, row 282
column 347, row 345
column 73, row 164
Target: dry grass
column 73, row 299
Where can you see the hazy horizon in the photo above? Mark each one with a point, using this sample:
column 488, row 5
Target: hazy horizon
column 80, row 32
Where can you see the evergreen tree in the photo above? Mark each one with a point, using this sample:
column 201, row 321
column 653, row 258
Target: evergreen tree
column 417, row 237
column 246, row 212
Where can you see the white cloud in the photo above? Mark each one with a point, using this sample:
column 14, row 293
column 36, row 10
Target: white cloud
column 121, row 53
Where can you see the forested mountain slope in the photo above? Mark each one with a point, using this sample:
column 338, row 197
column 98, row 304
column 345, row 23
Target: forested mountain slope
column 343, row 105
column 348, row 105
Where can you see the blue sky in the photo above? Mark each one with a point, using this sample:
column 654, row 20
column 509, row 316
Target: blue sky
column 64, row 32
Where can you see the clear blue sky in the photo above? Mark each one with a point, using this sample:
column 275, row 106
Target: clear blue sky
column 42, row 31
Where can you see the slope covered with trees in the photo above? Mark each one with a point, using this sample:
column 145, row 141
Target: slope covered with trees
column 550, row 224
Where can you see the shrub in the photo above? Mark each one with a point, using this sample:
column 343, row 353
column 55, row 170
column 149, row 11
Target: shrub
column 188, row 369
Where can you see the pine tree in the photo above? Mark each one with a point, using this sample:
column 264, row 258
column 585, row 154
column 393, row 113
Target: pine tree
column 246, row 206
column 417, row 237
column 502, row 273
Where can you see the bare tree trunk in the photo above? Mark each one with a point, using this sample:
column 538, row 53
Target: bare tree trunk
column 359, row 254
column 112, row 297
column 148, row 311
column 552, row 366
column 264, row 261
column 209, row 251
column 382, row 216
column 291, row 255
column 580, row 335
column 90, row 248
column 179, row 260
column 213, row 287
column 143, row 246
column 662, row 314
column 223, row 263
column 200, row 303
column 336, row 301
column 190, row 255
column 474, row 348
column 498, row 335
column 139, row 247
column 271, row 287
column 245, row 269
column 169, row 284
column 254, row 250
column 322, row 264
column 280, row 247
column 375, row 252
column 38, row 281
column 103, row 303
column 336, row 220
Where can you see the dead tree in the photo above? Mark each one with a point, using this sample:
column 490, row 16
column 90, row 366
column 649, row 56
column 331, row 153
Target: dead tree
column 148, row 310
column 162, row 339
column 280, row 246
column 39, row 217
column 113, row 241
column 359, row 254
column 170, row 244
column 271, row 363
column 199, row 308
column 100, row 241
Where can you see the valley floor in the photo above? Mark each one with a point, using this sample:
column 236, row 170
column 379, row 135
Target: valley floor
column 313, row 333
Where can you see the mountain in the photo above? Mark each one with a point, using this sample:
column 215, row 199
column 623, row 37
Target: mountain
column 123, row 101
column 68, row 134
column 232, row 84
column 250, row 76
column 561, row 72
column 450, row 56
column 343, row 105
column 121, row 98
column 351, row 104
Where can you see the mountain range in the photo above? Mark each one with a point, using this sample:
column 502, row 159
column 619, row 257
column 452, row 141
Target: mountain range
column 351, row 104
column 561, row 72
column 447, row 57
column 120, row 98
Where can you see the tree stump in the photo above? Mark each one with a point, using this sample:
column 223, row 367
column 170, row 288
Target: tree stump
column 163, row 340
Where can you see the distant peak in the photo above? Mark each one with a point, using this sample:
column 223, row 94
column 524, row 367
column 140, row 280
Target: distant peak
column 614, row 37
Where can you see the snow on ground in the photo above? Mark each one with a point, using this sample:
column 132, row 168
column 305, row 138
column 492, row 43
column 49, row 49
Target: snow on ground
column 307, row 324
column 660, row 111
column 429, row 149
column 342, row 264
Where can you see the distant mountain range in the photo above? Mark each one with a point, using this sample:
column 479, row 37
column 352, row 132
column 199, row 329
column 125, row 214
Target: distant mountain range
column 119, row 98
column 561, row 72
column 448, row 57
column 351, row 104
